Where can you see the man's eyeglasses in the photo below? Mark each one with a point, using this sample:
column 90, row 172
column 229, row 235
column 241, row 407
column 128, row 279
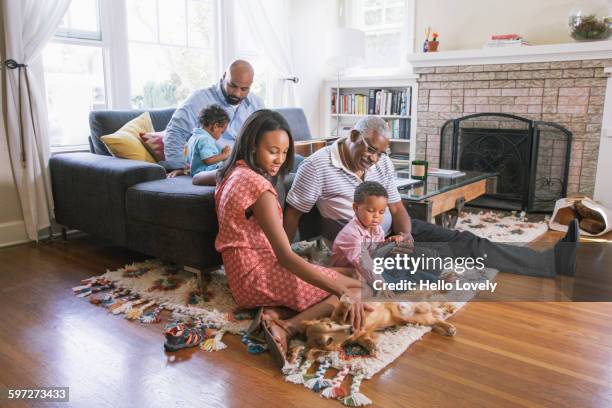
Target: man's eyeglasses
column 372, row 150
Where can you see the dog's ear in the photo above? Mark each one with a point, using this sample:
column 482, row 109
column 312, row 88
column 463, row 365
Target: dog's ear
column 304, row 325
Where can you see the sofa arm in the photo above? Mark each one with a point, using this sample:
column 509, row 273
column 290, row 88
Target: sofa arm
column 89, row 191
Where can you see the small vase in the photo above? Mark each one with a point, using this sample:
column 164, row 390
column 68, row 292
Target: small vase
column 432, row 46
column 418, row 170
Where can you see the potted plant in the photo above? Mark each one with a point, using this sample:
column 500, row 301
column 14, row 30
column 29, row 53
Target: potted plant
column 587, row 26
column 432, row 46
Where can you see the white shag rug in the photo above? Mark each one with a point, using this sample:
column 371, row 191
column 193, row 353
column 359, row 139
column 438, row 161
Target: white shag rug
column 501, row 227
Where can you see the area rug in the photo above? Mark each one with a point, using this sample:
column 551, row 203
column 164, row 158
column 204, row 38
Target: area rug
column 501, row 227
column 140, row 291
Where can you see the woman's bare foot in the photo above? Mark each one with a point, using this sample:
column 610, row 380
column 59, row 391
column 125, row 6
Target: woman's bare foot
column 282, row 332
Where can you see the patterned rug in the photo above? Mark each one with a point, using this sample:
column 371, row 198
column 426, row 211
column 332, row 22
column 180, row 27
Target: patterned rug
column 140, row 291
column 502, row 227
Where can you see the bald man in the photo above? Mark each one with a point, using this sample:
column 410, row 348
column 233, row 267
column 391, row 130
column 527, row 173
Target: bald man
column 231, row 93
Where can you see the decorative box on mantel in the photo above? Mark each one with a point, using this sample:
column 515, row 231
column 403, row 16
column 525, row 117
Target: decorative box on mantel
column 561, row 83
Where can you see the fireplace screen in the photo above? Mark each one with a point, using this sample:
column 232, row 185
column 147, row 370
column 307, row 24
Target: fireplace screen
column 531, row 158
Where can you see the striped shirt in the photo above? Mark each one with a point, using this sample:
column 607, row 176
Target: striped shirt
column 323, row 180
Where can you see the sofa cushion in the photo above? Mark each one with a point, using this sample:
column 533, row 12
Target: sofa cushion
column 105, row 122
column 174, row 203
column 126, row 144
column 154, row 143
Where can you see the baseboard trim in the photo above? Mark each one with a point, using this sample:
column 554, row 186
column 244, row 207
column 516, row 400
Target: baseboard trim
column 13, row 233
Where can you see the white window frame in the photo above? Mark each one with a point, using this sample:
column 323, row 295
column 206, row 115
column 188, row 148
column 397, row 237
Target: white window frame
column 115, row 52
column 85, row 38
column 353, row 11
column 114, row 33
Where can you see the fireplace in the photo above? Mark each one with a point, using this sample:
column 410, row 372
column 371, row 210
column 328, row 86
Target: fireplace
column 530, row 157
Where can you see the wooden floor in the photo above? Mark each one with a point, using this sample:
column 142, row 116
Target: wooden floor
column 505, row 354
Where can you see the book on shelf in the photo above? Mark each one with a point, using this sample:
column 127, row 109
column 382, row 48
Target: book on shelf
column 399, row 128
column 383, row 102
column 444, row 173
column 506, row 40
column 505, row 37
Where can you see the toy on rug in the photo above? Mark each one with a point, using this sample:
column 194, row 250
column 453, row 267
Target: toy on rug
column 179, row 336
column 329, row 334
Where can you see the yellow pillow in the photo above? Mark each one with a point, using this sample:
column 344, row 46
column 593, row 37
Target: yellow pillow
column 125, row 143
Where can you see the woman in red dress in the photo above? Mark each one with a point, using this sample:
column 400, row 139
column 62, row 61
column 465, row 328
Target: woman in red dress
column 261, row 268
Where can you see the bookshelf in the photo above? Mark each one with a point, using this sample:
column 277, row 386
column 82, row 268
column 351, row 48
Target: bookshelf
column 360, row 96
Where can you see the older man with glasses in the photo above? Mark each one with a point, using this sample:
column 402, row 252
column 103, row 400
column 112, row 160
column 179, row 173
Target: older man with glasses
column 328, row 180
column 329, row 177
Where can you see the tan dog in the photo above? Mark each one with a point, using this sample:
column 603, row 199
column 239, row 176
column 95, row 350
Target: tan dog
column 330, row 333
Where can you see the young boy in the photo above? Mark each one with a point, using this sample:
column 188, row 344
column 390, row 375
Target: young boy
column 201, row 152
column 363, row 232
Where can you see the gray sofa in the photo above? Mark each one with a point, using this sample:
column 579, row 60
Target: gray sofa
column 132, row 203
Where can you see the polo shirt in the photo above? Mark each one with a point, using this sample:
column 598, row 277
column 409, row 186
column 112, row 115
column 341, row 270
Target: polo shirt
column 323, row 180
column 350, row 244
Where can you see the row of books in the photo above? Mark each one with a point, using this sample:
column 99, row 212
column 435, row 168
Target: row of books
column 376, row 102
column 400, row 128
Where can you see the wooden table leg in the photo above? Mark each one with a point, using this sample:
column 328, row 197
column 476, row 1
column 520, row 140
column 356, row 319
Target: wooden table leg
column 449, row 218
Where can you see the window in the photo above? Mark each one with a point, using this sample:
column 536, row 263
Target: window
column 171, row 50
column 75, row 74
column 387, row 26
column 82, row 20
column 122, row 54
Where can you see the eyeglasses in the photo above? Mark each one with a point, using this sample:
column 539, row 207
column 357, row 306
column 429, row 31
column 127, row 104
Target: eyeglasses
column 372, row 150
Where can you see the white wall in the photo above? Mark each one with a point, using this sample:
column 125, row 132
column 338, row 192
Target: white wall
column 467, row 24
column 603, row 186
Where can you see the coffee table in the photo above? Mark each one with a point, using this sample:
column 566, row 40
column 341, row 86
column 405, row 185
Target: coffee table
column 442, row 198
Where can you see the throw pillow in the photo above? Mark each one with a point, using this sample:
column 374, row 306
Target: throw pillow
column 154, row 143
column 125, row 143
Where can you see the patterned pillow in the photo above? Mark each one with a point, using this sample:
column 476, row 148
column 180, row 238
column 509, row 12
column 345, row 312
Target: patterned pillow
column 154, row 143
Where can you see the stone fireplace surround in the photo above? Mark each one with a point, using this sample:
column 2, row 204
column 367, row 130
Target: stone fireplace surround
column 565, row 84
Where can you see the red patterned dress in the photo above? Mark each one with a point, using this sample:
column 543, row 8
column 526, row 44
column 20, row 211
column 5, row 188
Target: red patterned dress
column 254, row 275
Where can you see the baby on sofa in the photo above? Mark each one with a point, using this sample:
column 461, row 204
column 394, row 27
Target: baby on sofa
column 201, row 152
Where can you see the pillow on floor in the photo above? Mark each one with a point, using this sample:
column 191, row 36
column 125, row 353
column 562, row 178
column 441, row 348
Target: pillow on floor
column 154, row 143
column 125, row 143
